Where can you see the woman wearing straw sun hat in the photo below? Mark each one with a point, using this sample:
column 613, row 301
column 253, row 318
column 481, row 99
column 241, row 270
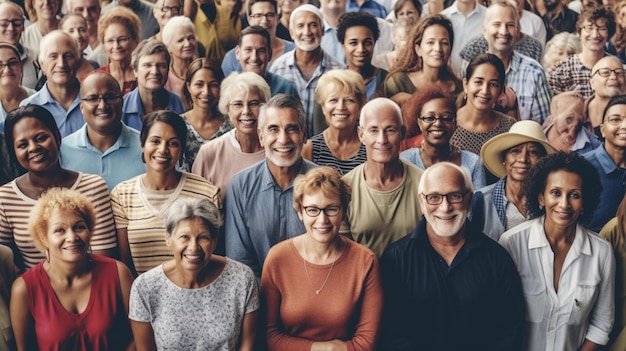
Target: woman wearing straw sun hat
column 510, row 156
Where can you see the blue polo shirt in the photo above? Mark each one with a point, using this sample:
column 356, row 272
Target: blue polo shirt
column 613, row 188
column 68, row 121
column 120, row 162
column 132, row 113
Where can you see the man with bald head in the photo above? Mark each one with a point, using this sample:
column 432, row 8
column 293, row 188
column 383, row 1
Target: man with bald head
column 607, row 80
column 104, row 145
column 384, row 206
column 58, row 56
column 473, row 299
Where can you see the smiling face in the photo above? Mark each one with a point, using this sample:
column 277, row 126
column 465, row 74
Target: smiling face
column 8, row 16
column 382, row 134
column 46, row 9
column 614, row 134
column 445, row 219
column 184, row 45
column 152, row 71
column 563, row 200
column 323, row 228
column 437, row 133
column 253, row 54
column 282, row 137
column 60, row 61
column 118, row 43
column 204, row 89
column 483, row 87
column 358, row 46
column 612, row 85
column 306, row 31
column 341, row 109
column 103, row 117
column 264, row 15
column 520, row 158
column 408, row 10
column 166, row 9
column 162, row 148
column 501, row 30
column 11, row 75
column 35, row 146
column 192, row 244
column 68, row 236
column 435, row 47
column 89, row 9
column 245, row 118
column 76, row 27
column 593, row 36
column 568, row 120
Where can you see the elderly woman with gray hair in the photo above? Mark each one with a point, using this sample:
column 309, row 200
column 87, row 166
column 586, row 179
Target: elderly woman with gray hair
column 179, row 35
column 197, row 300
column 241, row 98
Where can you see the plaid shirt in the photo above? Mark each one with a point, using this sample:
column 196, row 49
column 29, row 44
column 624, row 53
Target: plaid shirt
column 570, row 75
column 499, row 200
column 285, row 66
column 527, row 78
column 529, row 46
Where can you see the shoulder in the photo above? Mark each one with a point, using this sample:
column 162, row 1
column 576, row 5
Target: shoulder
column 90, row 181
column 353, row 175
column 520, row 233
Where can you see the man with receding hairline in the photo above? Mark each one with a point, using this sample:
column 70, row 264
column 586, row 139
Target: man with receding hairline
column 104, row 145
column 608, row 79
column 447, row 286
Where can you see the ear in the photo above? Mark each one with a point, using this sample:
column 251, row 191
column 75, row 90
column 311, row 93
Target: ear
column 299, row 214
column 260, row 133
column 237, row 52
column 541, row 200
column 359, row 131
column 465, row 85
column 602, row 130
column 168, row 239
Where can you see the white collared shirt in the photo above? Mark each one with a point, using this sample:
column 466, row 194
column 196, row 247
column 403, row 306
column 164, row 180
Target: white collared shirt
column 583, row 307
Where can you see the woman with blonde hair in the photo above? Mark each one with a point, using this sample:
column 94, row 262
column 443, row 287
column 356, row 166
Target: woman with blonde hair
column 341, row 95
column 74, row 299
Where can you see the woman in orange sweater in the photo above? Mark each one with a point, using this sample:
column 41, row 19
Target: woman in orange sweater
column 321, row 290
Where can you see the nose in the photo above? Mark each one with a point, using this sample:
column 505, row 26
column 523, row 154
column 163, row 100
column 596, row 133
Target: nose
column 254, row 55
column 101, row 102
column 162, row 147
column 523, row 155
column 381, row 138
column 340, row 104
column 282, row 136
column 246, row 108
column 437, row 46
column 502, row 29
column 564, row 201
column 445, row 205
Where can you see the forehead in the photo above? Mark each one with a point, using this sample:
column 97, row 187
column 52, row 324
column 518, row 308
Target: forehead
column 306, row 17
column 84, row 3
column 359, row 31
column 7, row 53
column 600, row 22
column 608, row 62
column 262, row 7
column 253, row 40
column 618, row 109
column 28, row 125
column 8, row 11
column 60, row 44
column 500, row 14
column 99, row 82
column 382, row 116
column 280, row 116
column 156, row 57
column 443, row 180
column 74, row 21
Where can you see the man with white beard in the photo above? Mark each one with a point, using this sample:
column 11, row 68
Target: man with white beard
column 308, row 61
column 472, row 298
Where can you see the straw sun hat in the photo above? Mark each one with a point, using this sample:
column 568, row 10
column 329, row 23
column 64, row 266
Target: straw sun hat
column 521, row 132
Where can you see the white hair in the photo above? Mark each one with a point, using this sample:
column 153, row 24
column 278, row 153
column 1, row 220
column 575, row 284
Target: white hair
column 173, row 26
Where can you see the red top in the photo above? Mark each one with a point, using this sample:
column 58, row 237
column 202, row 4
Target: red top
column 101, row 326
column 128, row 86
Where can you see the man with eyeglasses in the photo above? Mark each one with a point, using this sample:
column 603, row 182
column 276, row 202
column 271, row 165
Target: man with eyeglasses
column 608, row 79
column 610, row 162
column 595, row 27
column 144, row 10
column 264, row 14
column 259, row 199
column 384, row 206
column 447, row 286
column 11, row 28
column 104, row 143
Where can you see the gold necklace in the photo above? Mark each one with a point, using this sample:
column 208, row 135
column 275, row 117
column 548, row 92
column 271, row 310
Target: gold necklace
column 306, row 270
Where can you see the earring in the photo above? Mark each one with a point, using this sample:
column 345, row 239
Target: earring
column 541, row 207
column 89, row 250
column 143, row 158
column 47, row 253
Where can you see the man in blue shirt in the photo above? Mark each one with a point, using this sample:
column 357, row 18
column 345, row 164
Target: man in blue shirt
column 259, row 200
column 447, row 285
column 104, row 145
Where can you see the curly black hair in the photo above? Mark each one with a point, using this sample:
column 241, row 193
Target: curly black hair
column 354, row 19
column 535, row 182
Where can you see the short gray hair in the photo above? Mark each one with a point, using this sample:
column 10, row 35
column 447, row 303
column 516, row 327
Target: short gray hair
column 191, row 208
column 284, row 101
column 173, row 26
column 146, row 48
column 51, row 37
column 238, row 82
column 467, row 180
column 377, row 103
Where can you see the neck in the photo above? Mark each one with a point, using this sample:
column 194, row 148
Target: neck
column 161, row 180
column 101, row 141
column 48, row 25
column 193, row 279
column 466, row 7
column 342, row 136
column 332, row 17
column 367, row 72
column 179, row 66
column 60, row 271
column 617, row 154
column 249, row 143
column 64, row 94
column 557, row 235
column 470, row 116
column 505, row 57
column 322, row 252
column 514, row 192
column 150, row 99
column 120, row 67
column 438, row 153
column 309, row 57
column 284, row 176
column 200, row 115
column 382, row 175
column 590, row 58
column 54, row 177
column 10, row 93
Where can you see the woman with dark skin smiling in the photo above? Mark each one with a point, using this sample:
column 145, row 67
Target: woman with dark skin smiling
column 33, row 142
column 567, row 271
column 140, row 203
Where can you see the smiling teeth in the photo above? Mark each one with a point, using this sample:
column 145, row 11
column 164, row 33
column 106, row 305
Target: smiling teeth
column 193, row 257
column 283, row 149
column 247, row 122
column 158, row 158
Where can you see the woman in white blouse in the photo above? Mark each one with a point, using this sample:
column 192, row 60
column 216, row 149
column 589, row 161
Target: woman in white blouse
column 567, row 271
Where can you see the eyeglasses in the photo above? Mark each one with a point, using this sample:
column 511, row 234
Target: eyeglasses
column 11, row 64
column 174, row 10
column 442, row 119
column 18, row 22
column 95, row 100
column 239, row 105
column 590, row 28
column 330, row 211
column 453, row 198
column 270, row 16
column 119, row 41
column 615, row 120
column 606, row 72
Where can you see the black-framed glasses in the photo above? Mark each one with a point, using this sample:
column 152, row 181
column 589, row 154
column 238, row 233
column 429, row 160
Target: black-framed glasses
column 329, row 211
column 252, row 105
column 270, row 16
column 443, row 119
column 11, row 64
column 120, row 41
column 455, row 197
column 590, row 28
column 18, row 22
column 95, row 99
column 174, row 10
column 606, row 72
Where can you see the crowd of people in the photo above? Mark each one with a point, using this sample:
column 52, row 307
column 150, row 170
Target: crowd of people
column 321, row 175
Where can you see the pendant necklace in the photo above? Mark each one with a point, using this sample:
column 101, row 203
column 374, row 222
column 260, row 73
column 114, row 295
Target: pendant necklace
column 306, row 270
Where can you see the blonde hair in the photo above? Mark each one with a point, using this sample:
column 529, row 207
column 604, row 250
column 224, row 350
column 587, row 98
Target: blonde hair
column 349, row 82
column 324, row 178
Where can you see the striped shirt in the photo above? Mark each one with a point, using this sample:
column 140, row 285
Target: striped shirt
column 323, row 156
column 134, row 211
column 15, row 209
